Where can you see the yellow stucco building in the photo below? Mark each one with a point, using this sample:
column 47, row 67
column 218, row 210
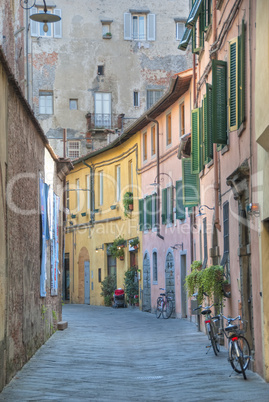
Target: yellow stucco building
column 95, row 193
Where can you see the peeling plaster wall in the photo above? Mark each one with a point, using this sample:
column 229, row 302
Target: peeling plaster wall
column 68, row 65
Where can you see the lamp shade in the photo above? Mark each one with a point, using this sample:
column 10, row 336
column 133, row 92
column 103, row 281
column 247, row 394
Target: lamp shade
column 45, row 18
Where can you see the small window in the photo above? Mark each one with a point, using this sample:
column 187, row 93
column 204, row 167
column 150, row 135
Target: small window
column 100, row 70
column 136, row 99
column 99, row 275
column 118, row 183
column 73, row 149
column 88, row 191
column 101, row 189
column 155, row 266
column 105, row 29
column 78, row 195
column 168, row 129
column 73, row 104
column 153, row 141
column 45, row 102
column 152, row 97
column 180, row 28
column 145, row 151
column 181, row 119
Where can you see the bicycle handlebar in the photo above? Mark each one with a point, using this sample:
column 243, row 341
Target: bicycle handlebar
column 231, row 319
column 204, row 308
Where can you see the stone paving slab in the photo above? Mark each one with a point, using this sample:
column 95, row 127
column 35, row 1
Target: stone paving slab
column 126, row 355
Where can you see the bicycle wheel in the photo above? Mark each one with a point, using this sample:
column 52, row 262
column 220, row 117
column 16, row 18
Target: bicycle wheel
column 167, row 309
column 244, row 350
column 159, row 307
column 213, row 340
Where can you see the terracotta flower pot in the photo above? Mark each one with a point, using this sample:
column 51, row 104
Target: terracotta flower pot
column 131, row 207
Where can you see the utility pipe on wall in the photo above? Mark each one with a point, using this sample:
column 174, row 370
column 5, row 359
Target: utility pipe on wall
column 215, row 153
column 158, row 175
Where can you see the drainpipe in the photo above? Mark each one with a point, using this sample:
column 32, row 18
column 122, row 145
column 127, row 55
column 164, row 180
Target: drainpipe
column 158, row 175
column 215, row 153
column 91, row 189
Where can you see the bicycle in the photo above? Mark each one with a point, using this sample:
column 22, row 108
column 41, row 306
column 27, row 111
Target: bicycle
column 164, row 305
column 210, row 327
column 238, row 347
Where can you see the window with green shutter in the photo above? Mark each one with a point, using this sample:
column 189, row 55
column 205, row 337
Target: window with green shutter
column 219, row 101
column 201, row 144
column 190, row 183
column 209, row 135
column 164, row 206
column 195, row 142
column 233, row 84
column 241, row 76
column 180, row 209
column 141, row 214
column 154, row 211
column 170, row 205
column 237, row 80
column 198, row 30
column 148, row 212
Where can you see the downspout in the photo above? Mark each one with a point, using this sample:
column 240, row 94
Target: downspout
column 215, row 153
column 158, row 175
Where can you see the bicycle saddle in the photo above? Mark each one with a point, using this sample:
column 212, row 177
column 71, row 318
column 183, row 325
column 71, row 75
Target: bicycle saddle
column 207, row 311
column 162, row 294
column 231, row 328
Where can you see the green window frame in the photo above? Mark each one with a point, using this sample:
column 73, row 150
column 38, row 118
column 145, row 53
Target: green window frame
column 185, row 40
column 236, row 82
column 194, row 14
column 201, row 137
column 141, row 214
column 191, row 185
column 219, row 101
column 209, row 129
column 195, row 141
column 164, row 206
column 198, row 30
column 148, row 204
column 180, row 208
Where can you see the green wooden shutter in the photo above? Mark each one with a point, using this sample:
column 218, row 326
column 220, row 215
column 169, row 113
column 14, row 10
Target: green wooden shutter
column 141, row 214
column 180, row 209
column 171, row 200
column 233, row 83
column 149, row 211
column 241, row 76
column 201, row 146
column 219, row 101
column 195, row 143
column 209, row 122
column 164, row 206
column 154, row 203
column 190, row 184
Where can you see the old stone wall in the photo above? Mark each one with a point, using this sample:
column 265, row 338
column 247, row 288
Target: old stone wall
column 26, row 319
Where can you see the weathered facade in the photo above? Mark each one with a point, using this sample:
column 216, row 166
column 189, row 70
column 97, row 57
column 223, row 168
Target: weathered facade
column 224, row 154
column 27, row 316
column 262, row 138
column 101, row 67
column 95, row 193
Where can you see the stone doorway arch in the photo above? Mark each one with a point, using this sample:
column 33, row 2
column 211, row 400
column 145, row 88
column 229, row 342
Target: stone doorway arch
column 146, row 306
column 82, row 258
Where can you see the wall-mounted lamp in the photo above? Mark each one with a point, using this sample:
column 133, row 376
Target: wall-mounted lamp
column 253, row 209
column 177, row 246
column 44, row 17
column 200, row 213
column 99, row 248
column 157, row 182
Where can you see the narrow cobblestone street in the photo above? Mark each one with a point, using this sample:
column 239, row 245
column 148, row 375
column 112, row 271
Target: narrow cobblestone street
column 126, row 355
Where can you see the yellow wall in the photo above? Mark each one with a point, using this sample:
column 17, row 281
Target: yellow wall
column 262, row 137
column 82, row 238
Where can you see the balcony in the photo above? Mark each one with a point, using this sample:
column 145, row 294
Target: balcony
column 104, row 121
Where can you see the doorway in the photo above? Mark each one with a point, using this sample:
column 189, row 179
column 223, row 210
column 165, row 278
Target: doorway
column 87, row 282
column 146, row 284
column 183, row 272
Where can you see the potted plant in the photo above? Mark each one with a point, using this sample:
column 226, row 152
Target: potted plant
column 212, row 280
column 134, row 243
column 127, row 202
column 108, row 286
column 131, row 285
column 107, row 35
column 116, row 248
column 193, row 281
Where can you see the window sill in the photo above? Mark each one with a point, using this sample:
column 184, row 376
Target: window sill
column 107, row 36
column 225, row 149
column 211, row 163
column 241, row 129
column 208, row 33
